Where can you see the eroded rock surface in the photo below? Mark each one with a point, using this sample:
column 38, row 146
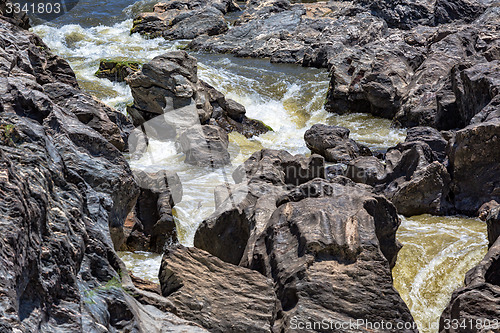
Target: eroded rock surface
column 66, row 191
column 219, row 296
column 185, row 19
column 168, row 86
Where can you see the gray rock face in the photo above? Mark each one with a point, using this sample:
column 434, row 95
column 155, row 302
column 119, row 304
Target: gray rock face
column 245, row 208
column 168, row 86
column 185, row 19
column 66, row 192
column 411, row 61
column 479, row 299
column 493, row 221
column 317, row 248
column 151, row 226
column 205, row 146
column 316, row 239
column 474, row 155
column 219, row 296
column 333, row 143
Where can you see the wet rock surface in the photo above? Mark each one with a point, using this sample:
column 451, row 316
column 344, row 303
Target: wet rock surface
column 219, row 296
column 66, row 191
column 185, row 19
column 116, row 70
column 168, row 86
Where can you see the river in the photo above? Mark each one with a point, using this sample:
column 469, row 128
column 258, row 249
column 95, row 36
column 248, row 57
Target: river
column 437, row 251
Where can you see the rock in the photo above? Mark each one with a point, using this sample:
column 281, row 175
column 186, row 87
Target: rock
column 332, row 142
column 169, row 99
column 402, row 14
column 66, row 194
column 476, row 87
column 366, row 170
column 473, row 157
column 485, row 209
column 244, row 212
column 430, row 136
column 20, row 19
column 293, row 33
column 110, row 123
column 317, row 248
column 205, row 146
column 219, row 296
column 416, row 182
column 479, row 300
column 151, row 225
column 493, row 222
column 184, row 19
column 116, row 70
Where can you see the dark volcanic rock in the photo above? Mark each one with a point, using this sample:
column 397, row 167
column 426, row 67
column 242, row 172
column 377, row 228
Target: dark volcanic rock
column 474, row 155
column 416, row 182
column 66, row 192
column 479, row 300
column 219, row 296
column 318, row 248
column 327, row 245
column 333, row 143
column 116, row 70
column 168, row 86
column 205, row 146
column 244, row 209
column 430, row 136
column 493, row 221
column 184, row 19
column 151, row 226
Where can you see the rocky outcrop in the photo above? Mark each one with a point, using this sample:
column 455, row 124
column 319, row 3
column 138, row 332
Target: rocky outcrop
column 185, row 19
column 477, row 304
column 66, row 191
column 411, row 61
column 116, row 70
column 205, row 146
column 219, row 296
column 314, row 238
column 151, row 226
column 474, row 154
column 333, row 143
column 168, row 86
column 417, row 183
column 318, row 247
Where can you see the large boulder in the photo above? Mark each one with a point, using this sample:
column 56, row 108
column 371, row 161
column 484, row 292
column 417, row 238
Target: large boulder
column 217, row 295
column 205, row 146
column 66, row 191
column 476, row 305
column 244, row 209
column 184, row 19
column 151, row 225
column 169, row 99
column 330, row 255
column 333, row 143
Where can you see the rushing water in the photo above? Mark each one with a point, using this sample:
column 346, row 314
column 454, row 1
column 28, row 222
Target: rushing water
column 436, row 252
